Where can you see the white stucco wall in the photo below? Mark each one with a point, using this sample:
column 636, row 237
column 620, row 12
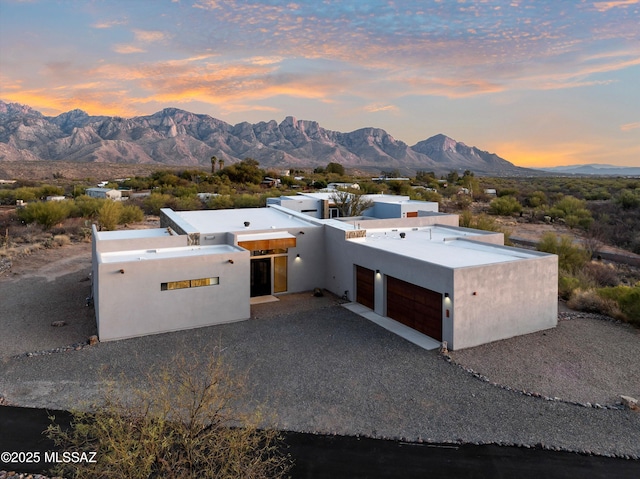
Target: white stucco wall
column 132, row 303
column 512, row 298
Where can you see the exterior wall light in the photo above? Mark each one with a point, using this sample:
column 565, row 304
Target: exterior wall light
column 301, row 232
column 298, row 256
column 377, row 271
column 446, row 295
column 231, row 261
column 121, row 271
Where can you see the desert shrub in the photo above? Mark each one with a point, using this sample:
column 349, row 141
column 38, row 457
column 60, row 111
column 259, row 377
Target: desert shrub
column 462, row 202
column 427, row 195
column 220, row 202
column 627, row 299
column 182, row 425
column 628, row 199
column 504, row 206
column 573, row 211
column 131, row 214
column 465, row 219
column 483, row 222
column 571, row 257
column 591, row 302
column 153, row 203
column 247, row 201
column 109, row 214
column 602, row 274
column 537, row 199
column 88, row 206
column 186, row 203
column 567, row 284
column 25, row 193
column 45, row 213
column 61, row 240
column 49, row 190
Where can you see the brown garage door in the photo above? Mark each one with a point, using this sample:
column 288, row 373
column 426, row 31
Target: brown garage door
column 365, row 286
column 417, row 307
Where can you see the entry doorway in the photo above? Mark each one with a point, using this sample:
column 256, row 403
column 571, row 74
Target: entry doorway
column 260, row 277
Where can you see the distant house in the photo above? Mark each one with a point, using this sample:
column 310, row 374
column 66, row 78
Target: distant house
column 139, row 194
column 56, row 198
column 206, row 196
column 269, row 182
column 490, row 192
column 104, row 193
column 343, row 186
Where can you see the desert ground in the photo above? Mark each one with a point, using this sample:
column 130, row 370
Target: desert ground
column 322, row 368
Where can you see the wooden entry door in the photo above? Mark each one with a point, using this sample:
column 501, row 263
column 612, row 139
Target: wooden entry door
column 365, row 287
column 414, row 306
column 260, row 277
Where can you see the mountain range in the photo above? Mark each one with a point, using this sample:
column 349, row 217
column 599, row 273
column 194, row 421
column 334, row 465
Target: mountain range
column 177, row 137
column 593, row 169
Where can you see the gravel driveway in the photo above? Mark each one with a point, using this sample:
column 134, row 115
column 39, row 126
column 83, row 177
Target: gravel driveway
column 322, row 368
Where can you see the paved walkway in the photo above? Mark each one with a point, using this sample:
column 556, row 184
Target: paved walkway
column 395, row 327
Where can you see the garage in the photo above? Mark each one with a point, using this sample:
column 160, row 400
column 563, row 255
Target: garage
column 414, row 306
column 365, row 286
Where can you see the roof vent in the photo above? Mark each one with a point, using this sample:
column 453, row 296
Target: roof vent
column 246, row 224
column 402, row 235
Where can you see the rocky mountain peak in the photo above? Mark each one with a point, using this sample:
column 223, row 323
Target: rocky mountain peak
column 178, row 137
column 16, row 109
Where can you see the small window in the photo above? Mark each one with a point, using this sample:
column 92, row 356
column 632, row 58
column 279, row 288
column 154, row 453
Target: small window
column 189, row 283
column 266, row 252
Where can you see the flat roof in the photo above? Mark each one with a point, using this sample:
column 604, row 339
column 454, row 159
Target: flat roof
column 133, row 234
column 449, row 247
column 223, row 221
column 165, row 253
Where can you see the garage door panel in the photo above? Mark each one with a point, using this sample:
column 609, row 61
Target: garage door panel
column 414, row 306
column 365, row 286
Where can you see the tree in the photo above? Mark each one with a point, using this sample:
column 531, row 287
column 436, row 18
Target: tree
column 247, row 171
column 425, row 176
column 213, row 164
column 336, row 168
column 350, row 202
column 109, row 214
column 182, row 425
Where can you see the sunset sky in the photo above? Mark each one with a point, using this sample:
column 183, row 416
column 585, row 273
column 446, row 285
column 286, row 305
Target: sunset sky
column 539, row 82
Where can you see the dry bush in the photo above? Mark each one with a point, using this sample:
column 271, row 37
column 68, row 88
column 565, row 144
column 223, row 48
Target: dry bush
column 182, row 425
column 591, row 302
column 61, row 240
column 602, row 274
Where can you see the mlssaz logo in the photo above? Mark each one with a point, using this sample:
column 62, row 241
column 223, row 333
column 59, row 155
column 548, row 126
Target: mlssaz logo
column 67, row 457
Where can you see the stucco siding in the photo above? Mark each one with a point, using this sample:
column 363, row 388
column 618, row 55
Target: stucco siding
column 133, row 304
column 510, row 299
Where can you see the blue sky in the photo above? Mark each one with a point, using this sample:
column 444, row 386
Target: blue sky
column 538, row 82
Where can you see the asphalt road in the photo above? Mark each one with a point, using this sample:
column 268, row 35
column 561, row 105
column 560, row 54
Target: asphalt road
column 331, row 457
